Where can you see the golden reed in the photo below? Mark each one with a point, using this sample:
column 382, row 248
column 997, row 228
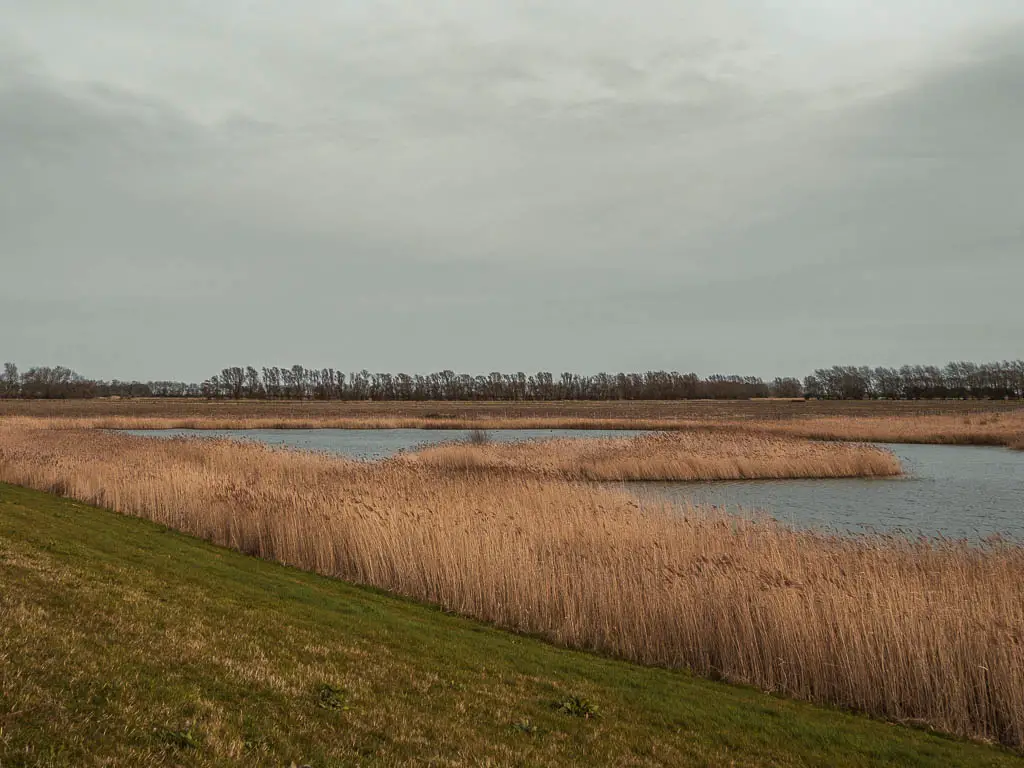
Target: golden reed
column 684, row 455
column 994, row 423
column 922, row 630
column 1005, row 429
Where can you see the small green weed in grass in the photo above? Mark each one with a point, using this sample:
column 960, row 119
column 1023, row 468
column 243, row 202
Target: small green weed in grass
column 524, row 726
column 576, row 706
column 186, row 738
column 330, row 697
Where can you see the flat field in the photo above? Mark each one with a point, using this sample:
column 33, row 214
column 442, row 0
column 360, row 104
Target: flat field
column 978, row 422
column 671, row 410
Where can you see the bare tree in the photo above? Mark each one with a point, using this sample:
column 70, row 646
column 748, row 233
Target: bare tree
column 233, row 381
column 253, row 389
column 10, row 381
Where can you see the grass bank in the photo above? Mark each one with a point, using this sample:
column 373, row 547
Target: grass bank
column 928, row 631
column 125, row 644
column 686, row 455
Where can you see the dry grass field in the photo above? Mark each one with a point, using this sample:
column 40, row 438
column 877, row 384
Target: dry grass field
column 923, row 631
column 946, row 421
column 995, row 428
column 685, row 455
column 436, row 411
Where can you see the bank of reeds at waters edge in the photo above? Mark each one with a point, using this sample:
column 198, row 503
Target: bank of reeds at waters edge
column 929, row 631
column 997, row 429
column 992, row 427
column 687, row 455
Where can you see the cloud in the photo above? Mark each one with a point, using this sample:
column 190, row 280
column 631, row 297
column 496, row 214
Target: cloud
column 508, row 186
column 925, row 176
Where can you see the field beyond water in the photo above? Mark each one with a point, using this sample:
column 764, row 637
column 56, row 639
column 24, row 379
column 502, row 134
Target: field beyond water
column 475, row 411
column 962, row 422
column 123, row 644
column 916, row 631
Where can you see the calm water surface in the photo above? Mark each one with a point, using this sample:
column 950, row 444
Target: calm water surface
column 949, row 490
column 369, row 444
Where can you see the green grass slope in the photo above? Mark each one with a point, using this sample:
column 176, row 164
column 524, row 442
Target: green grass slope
column 124, row 644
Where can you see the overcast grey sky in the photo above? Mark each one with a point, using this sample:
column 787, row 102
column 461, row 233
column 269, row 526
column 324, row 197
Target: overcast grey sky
column 748, row 186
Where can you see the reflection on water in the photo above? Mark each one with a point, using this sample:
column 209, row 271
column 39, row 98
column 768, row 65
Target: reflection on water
column 949, row 490
column 371, row 444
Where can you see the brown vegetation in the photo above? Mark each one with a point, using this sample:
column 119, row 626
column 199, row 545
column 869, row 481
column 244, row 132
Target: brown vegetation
column 952, row 421
column 929, row 631
column 312, row 410
column 968, row 429
column 687, row 455
column 382, row 421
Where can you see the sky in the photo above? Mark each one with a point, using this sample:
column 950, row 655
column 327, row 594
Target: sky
column 720, row 186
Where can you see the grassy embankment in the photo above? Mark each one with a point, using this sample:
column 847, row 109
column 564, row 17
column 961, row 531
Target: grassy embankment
column 125, row 644
column 926, row 631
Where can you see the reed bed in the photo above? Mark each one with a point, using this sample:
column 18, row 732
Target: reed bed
column 925, row 630
column 999, row 429
column 988, row 428
column 696, row 454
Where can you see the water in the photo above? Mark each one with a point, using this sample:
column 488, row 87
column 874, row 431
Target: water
column 370, row 444
column 954, row 491
column 948, row 490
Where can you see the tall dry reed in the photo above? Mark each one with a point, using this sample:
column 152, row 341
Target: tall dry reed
column 929, row 631
column 688, row 455
column 1006, row 429
column 860, row 422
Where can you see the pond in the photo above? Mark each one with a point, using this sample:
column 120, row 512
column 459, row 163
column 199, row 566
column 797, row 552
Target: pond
column 370, row 444
column 953, row 491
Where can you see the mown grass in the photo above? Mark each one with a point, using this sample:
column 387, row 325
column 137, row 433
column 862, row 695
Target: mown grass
column 125, row 644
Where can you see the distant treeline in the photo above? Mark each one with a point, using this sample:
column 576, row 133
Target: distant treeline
column 1001, row 380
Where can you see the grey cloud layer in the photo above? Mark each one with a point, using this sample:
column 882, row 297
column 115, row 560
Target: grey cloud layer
column 508, row 187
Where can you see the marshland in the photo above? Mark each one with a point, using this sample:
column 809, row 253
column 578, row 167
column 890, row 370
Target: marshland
column 547, row 536
column 511, row 384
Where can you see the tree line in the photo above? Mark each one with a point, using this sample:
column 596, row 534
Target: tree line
column 999, row 380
